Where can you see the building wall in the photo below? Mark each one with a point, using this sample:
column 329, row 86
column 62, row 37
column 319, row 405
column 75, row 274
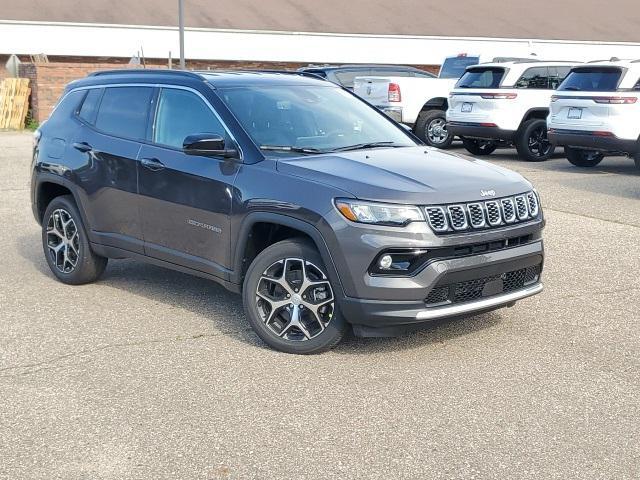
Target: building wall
column 49, row 79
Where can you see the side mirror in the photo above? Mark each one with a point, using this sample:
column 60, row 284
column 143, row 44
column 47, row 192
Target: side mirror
column 208, row 145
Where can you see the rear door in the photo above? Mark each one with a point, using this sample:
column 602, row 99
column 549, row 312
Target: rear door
column 114, row 124
column 185, row 200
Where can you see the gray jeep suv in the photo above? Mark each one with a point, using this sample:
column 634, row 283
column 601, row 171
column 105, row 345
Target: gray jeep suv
column 288, row 189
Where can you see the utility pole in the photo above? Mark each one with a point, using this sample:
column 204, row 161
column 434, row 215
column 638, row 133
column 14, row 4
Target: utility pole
column 181, row 30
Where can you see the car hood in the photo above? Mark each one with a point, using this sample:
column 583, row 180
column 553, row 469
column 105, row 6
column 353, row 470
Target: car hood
column 416, row 175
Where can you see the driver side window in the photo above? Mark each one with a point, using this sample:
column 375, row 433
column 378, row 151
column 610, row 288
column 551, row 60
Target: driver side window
column 182, row 113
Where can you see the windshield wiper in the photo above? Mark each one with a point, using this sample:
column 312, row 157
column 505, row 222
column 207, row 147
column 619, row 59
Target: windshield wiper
column 360, row 146
column 291, row 148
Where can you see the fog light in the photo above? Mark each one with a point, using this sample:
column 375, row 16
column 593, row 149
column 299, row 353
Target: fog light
column 385, row 262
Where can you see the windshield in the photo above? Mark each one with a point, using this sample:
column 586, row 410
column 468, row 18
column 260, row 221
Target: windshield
column 454, row 67
column 481, row 78
column 310, row 119
column 592, row 80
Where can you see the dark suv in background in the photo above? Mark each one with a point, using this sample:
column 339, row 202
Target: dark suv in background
column 344, row 75
column 315, row 206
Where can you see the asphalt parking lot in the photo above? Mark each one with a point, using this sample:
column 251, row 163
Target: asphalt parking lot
column 150, row 373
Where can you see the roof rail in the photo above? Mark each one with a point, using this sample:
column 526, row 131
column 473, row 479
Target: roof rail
column 283, row 72
column 635, row 61
column 143, row 71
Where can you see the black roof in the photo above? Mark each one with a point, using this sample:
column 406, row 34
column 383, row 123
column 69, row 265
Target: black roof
column 216, row 78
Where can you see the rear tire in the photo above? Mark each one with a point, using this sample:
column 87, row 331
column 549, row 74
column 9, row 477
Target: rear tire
column 286, row 314
column 532, row 143
column 431, row 128
column 583, row 158
column 66, row 245
column 478, row 147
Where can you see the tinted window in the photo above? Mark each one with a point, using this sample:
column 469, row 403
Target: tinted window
column 180, row 114
column 90, row 105
column 489, row 77
column 637, row 85
column 387, row 72
column 557, row 76
column 537, row 77
column 454, row 67
column 592, row 79
column 123, row 111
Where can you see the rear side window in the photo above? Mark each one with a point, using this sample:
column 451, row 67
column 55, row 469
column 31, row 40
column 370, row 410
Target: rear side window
column 592, row 79
column 557, row 76
column 180, row 114
column 124, row 111
column 537, row 77
column 454, row 67
column 68, row 105
column 637, row 85
column 481, row 78
column 90, row 104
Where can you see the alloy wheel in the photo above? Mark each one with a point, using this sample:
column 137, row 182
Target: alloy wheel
column 539, row 144
column 63, row 241
column 294, row 299
column 437, row 131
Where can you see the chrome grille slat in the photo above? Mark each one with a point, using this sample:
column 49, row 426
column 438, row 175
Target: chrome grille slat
column 437, row 219
column 482, row 215
column 458, row 217
column 508, row 210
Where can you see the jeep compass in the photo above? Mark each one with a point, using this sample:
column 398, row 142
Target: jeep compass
column 320, row 210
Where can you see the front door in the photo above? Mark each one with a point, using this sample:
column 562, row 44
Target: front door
column 185, row 200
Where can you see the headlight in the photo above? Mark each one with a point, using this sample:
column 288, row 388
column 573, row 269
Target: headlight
column 379, row 213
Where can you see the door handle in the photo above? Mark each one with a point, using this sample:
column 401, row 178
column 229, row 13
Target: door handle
column 82, row 147
column 152, row 164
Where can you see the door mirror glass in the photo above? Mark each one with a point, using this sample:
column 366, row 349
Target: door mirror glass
column 208, row 145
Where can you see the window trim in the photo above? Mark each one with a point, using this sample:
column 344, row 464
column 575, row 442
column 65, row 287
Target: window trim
column 156, row 86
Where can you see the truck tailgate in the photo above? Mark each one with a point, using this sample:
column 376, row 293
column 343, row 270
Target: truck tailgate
column 374, row 90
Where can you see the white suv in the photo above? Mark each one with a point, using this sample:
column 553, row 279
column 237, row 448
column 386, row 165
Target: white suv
column 596, row 111
column 504, row 104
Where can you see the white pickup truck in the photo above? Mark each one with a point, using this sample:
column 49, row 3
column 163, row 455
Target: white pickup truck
column 419, row 102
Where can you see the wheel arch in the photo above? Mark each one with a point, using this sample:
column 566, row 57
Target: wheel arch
column 436, row 103
column 540, row 113
column 47, row 188
column 261, row 229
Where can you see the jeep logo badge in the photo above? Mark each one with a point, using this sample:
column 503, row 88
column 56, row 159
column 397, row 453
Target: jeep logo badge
column 487, row 193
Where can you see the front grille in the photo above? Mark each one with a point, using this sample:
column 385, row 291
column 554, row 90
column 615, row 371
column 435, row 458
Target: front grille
column 470, row 290
column 437, row 219
column 481, row 215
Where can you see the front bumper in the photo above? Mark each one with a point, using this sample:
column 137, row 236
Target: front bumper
column 460, row 275
column 587, row 140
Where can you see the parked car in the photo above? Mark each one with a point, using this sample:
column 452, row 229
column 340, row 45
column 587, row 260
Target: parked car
column 596, row 112
column 344, row 75
column 505, row 104
column 314, row 205
column 420, row 103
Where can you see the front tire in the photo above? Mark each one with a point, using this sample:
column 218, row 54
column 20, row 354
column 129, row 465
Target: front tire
column 66, row 245
column 583, row 158
column 532, row 143
column 478, row 147
column 289, row 300
column 431, row 128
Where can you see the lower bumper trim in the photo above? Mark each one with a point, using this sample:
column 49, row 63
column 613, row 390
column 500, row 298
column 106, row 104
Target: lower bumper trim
column 478, row 305
column 477, row 130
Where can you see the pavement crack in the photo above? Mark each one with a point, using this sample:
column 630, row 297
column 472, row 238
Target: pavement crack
column 51, row 363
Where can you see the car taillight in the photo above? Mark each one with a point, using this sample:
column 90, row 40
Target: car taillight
column 499, row 96
column 394, row 93
column 616, row 100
